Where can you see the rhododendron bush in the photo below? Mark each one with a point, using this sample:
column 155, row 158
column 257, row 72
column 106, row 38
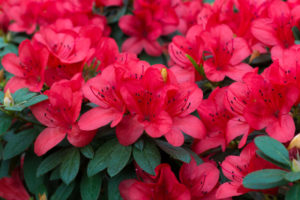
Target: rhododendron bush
column 149, row 99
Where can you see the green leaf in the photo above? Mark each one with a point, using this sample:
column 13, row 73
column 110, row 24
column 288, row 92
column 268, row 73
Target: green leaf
column 90, row 187
column 293, row 193
column 262, row 155
column 139, row 144
column 99, row 162
column 87, row 151
column 292, row 176
column 70, row 165
column 4, row 168
column 148, row 158
column 5, row 122
column 296, row 33
column 118, row 159
column 265, row 179
column 34, row 184
column 23, row 98
column 113, row 14
column 194, row 155
column 55, row 174
column 113, row 184
column 273, row 149
column 18, row 143
column 297, row 41
column 63, row 192
column 151, row 59
column 50, row 162
column 34, row 100
column 178, row 153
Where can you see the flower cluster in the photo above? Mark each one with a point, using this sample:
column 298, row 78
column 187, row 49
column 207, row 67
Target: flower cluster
column 232, row 73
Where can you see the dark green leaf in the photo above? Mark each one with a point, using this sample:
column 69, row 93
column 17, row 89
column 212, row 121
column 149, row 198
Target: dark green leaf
column 152, row 60
column 50, row 162
column 292, row 176
column 18, row 143
column 139, row 144
column 90, row 187
column 4, row 168
column 293, row 193
column 296, row 33
column 175, row 152
column 1, row 151
column 113, row 184
column 70, row 165
column 63, row 192
column 87, row 151
column 148, row 158
column 265, row 179
column 209, row 1
column 118, row 12
column 99, row 162
column 194, row 155
column 34, row 184
column 5, row 122
column 35, row 100
column 262, row 155
column 273, row 149
column 55, row 174
column 118, row 159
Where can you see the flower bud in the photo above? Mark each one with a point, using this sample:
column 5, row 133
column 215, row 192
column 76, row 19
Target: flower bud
column 8, row 100
column 295, row 143
column 164, row 74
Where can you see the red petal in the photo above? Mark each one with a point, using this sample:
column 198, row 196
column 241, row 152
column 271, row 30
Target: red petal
column 132, row 45
column 80, row 138
column 190, row 125
column 11, row 63
column 263, row 30
column 129, row 130
column 98, row 117
column 175, row 137
column 48, row 139
column 282, row 129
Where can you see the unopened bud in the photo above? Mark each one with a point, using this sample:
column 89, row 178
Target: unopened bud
column 295, row 165
column 164, row 74
column 8, row 100
column 254, row 55
column 1, row 75
column 295, row 143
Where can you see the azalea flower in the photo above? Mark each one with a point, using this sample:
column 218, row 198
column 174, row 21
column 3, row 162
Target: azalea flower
column 28, row 67
column 59, row 114
column 143, row 31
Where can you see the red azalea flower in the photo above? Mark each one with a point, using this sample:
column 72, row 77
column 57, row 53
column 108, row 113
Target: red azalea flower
column 101, row 3
column 67, row 46
column 200, row 179
column 180, row 104
column 12, row 188
column 163, row 11
column 104, row 91
column 215, row 117
column 220, row 12
column 145, row 97
column 264, row 105
column 227, row 53
column 187, row 12
column 28, row 67
column 163, row 186
column 144, row 32
column 180, row 47
column 59, row 113
column 235, row 168
column 276, row 29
